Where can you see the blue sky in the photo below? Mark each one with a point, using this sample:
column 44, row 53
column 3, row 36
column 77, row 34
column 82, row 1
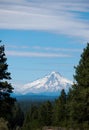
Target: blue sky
column 43, row 36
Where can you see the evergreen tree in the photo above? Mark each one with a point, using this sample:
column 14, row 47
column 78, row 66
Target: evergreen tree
column 31, row 121
column 48, row 109
column 59, row 111
column 45, row 114
column 63, row 107
column 79, row 104
column 6, row 101
column 56, row 113
column 62, row 97
column 17, row 116
column 42, row 114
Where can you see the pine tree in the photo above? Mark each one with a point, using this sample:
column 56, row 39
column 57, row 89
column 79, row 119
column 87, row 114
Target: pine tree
column 79, row 104
column 45, row 114
column 6, row 101
column 31, row 121
column 48, row 109
column 59, row 110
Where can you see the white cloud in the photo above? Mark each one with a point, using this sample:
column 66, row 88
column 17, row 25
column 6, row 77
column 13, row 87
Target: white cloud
column 57, row 49
column 36, row 54
column 40, row 48
column 56, row 16
column 16, row 47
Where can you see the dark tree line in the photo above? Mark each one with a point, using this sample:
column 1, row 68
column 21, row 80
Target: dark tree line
column 46, row 114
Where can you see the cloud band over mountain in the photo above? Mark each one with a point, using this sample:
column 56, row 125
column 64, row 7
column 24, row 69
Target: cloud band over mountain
column 63, row 17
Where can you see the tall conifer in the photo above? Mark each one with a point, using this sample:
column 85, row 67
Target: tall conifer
column 6, row 101
column 79, row 113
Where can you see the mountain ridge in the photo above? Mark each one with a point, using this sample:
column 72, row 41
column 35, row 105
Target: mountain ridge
column 51, row 84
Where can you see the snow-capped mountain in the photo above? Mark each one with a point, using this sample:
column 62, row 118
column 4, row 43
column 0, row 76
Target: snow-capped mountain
column 51, row 84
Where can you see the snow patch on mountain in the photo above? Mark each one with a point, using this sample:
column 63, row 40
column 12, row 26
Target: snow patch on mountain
column 52, row 83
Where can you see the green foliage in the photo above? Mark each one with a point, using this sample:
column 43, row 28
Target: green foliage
column 38, row 116
column 82, row 70
column 45, row 113
column 17, row 116
column 31, row 121
column 9, row 110
column 59, row 110
column 79, row 95
column 6, row 102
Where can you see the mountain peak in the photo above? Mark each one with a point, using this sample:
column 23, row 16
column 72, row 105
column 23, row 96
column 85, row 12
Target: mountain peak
column 55, row 73
column 52, row 83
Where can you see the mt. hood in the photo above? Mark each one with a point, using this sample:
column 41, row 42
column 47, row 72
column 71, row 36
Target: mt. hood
column 51, row 84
